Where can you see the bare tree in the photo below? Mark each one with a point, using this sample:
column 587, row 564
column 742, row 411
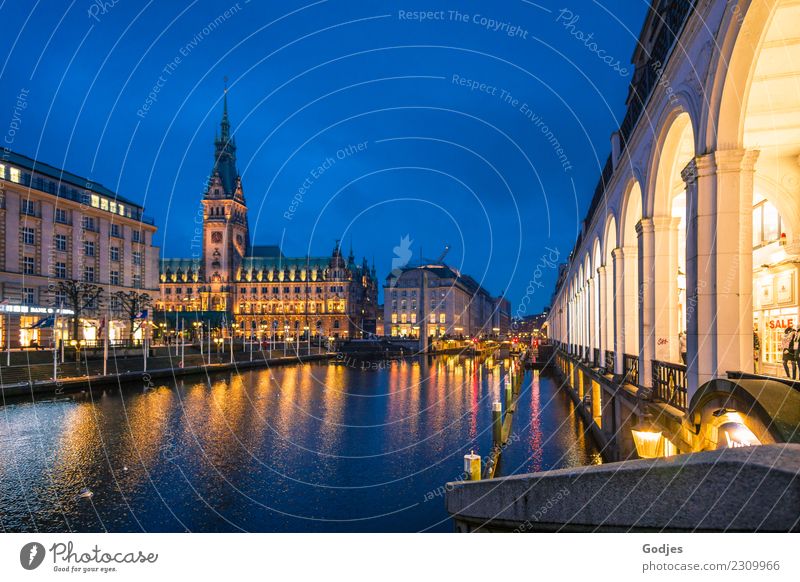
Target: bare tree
column 81, row 298
column 131, row 304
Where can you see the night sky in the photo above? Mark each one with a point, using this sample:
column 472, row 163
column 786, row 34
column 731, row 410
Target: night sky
column 452, row 114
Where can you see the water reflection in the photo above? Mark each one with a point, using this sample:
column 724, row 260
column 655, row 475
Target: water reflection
column 299, row 448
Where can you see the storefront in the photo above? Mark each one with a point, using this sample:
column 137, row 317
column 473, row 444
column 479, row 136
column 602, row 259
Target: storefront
column 32, row 325
column 775, row 309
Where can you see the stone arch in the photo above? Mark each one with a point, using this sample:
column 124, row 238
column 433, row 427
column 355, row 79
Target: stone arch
column 610, row 243
column 630, row 215
column 667, row 207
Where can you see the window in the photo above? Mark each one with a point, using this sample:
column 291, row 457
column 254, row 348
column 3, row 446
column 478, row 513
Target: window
column 413, row 318
column 28, row 265
column 28, row 207
column 60, row 298
column 88, row 248
column 61, row 216
column 442, row 318
column 394, row 318
column 115, row 304
column 88, row 274
column 61, row 271
column 114, row 253
column 319, row 289
column 297, row 289
column 137, row 281
column 28, row 295
column 137, row 258
column 136, row 236
column 432, row 318
column 403, row 318
column 28, row 235
column 168, row 290
column 274, row 290
column 88, row 223
column 60, row 242
column 115, row 231
column 114, row 278
column 766, row 224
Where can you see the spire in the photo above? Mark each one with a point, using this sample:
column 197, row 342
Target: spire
column 225, row 125
column 225, row 152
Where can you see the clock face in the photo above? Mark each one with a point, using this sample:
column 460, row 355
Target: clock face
column 216, row 237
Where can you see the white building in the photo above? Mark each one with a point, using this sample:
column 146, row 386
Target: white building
column 694, row 225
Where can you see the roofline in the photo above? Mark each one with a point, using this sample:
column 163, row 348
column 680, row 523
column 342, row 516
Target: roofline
column 10, row 156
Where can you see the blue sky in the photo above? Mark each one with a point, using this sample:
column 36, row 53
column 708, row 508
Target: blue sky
column 481, row 125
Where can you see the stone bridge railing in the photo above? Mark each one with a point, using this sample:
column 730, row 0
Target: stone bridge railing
column 743, row 489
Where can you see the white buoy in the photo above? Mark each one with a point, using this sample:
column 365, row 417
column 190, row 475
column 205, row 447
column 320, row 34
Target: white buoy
column 86, row 493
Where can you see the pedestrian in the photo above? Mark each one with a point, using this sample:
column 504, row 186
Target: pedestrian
column 756, row 348
column 788, row 343
column 682, row 346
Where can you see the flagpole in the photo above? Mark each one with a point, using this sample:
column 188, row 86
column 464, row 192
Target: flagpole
column 105, row 348
column 55, row 350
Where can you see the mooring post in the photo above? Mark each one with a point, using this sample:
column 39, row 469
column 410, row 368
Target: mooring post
column 472, row 466
column 509, row 394
column 497, row 423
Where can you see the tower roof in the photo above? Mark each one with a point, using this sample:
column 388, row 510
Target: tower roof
column 225, row 153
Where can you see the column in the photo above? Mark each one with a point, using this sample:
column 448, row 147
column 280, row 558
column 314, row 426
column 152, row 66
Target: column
column 618, row 258
column 590, row 327
column 601, row 331
column 645, row 234
column 719, row 264
column 665, row 288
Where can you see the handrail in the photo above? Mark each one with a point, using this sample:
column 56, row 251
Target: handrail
column 669, row 384
column 631, row 368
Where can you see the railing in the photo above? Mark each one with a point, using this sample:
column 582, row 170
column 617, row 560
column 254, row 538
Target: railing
column 609, row 359
column 669, row 383
column 631, row 368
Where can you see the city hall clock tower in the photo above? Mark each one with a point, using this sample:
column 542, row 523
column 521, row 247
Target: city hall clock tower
column 226, row 236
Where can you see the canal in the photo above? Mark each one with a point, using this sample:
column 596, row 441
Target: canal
column 351, row 446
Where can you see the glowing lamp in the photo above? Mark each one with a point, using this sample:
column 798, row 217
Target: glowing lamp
column 648, row 440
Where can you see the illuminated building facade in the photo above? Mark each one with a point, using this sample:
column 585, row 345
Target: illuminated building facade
column 254, row 290
column 685, row 273
column 435, row 300
column 56, row 226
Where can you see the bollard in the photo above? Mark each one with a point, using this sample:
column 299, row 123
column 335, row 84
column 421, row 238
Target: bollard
column 472, row 466
column 497, row 423
column 509, row 396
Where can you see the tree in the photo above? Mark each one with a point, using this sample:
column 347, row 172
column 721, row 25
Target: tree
column 132, row 303
column 80, row 297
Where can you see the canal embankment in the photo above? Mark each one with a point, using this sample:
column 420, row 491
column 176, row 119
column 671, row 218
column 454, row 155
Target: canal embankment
column 42, row 379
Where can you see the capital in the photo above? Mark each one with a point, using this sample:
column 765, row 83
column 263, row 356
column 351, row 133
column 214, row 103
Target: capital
column 644, row 226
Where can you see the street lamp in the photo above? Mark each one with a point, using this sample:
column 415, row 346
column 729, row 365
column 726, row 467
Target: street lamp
column 648, row 439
